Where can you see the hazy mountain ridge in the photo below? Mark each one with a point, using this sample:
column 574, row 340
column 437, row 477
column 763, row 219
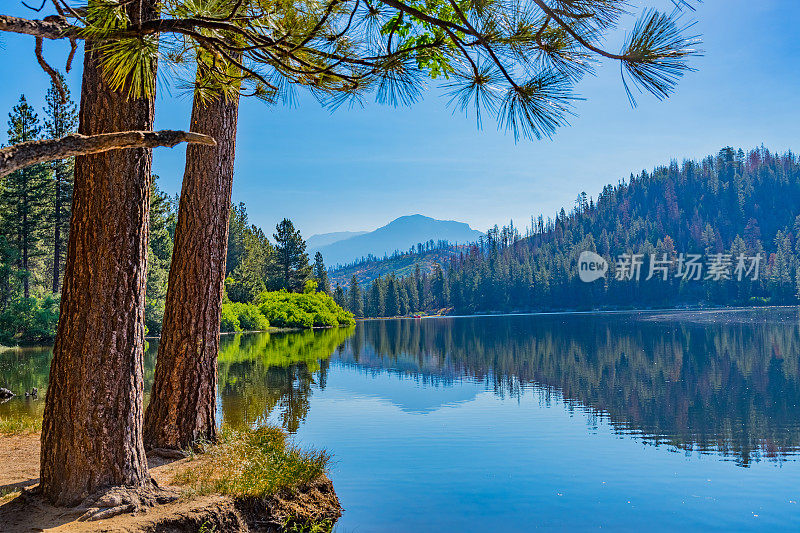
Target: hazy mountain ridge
column 324, row 239
column 400, row 234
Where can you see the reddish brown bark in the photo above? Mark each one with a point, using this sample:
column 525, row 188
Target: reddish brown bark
column 182, row 406
column 29, row 153
column 92, row 432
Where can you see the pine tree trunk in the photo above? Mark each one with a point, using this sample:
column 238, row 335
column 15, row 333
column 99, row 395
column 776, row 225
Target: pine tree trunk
column 182, row 406
column 92, row 431
column 57, row 233
column 26, row 229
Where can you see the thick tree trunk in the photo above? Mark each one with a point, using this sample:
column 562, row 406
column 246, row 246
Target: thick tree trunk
column 182, row 406
column 57, row 222
column 92, row 432
column 26, row 287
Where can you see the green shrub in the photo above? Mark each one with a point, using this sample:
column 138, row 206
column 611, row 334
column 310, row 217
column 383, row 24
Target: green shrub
column 230, row 320
column 250, row 317
column 29, row 320
column 238, row 316
column 310, row 309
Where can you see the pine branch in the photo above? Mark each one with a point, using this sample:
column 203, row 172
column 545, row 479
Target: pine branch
column 24, row 154
column 54, row 27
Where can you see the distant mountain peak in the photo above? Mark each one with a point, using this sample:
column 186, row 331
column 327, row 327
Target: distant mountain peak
column 401, row 234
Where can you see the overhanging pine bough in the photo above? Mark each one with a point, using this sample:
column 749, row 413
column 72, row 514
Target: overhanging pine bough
column 518, row 61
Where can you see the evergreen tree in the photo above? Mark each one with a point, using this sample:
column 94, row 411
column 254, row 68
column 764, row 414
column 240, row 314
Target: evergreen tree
column 340, row 297
column 24, row 196
column 251, row 275
column 238, row 225
column 321, row 274
column 159, row 256
column 392, row 298
column 422, row 289
column 375, row 302
column 439, row 288
column 355, row 298
column 61, row 118
column 291, row 266
column 9, row 279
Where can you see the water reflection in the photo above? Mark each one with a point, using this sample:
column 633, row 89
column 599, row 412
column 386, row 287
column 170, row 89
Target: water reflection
column 726, row 383
column 710, row 384
column 259, row 374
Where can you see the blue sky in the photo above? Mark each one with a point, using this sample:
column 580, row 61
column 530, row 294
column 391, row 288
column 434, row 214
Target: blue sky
column 359, row 168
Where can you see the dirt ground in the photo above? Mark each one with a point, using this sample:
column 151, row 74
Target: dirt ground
column 22, row 512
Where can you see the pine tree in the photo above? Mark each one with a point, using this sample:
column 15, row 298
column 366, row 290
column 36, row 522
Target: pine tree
column 339, row 296
column 249, row 278
column 96, row 382
column 237, row 226
column 291, row 261
column 439, row 288
column 355, row 297
column 24, row 196
column 421, row 281
column 61, row 118
column 375, row 299
column 9, row 278
column 392, row 299
column 159, row 256
column 321, row 274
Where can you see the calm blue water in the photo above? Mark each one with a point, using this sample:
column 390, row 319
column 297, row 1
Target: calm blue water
column 657, row 421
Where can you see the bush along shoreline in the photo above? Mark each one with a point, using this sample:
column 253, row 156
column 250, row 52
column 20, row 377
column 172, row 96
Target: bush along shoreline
column 283, row 309
column 33, row 321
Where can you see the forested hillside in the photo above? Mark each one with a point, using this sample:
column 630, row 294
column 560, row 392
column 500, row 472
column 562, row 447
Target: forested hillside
column 401, row 264
column 735, row 203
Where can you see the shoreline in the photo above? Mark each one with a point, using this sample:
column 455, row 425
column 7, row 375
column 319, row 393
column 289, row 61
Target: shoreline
column 313, row 502
column 587, row 312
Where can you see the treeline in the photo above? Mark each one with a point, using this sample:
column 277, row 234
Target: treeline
column 275, row 284
column 418, row 249
column 34, row 223
column 735, row 203
column 35, row 210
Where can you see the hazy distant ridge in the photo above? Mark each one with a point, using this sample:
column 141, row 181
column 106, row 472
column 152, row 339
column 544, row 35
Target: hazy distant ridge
column 315, row 242
column 399, row 234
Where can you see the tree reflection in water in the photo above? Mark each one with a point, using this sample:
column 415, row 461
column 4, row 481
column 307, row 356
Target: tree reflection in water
column 726, row 383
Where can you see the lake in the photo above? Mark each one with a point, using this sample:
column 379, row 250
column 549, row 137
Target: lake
column 652, row 420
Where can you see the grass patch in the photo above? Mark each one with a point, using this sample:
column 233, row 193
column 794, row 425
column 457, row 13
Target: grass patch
column 251, row 462
column 7, row 494
column 19, row 425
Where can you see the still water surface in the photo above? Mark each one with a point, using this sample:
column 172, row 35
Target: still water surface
column 657, row 421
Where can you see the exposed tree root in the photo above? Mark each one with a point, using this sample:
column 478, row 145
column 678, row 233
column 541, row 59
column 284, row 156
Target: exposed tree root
column 120, row 500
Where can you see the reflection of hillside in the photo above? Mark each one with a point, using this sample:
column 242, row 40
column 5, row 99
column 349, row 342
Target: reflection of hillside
column 259, row 373
column 732, row 388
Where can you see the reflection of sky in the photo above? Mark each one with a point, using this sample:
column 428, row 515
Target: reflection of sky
column 476, row 461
